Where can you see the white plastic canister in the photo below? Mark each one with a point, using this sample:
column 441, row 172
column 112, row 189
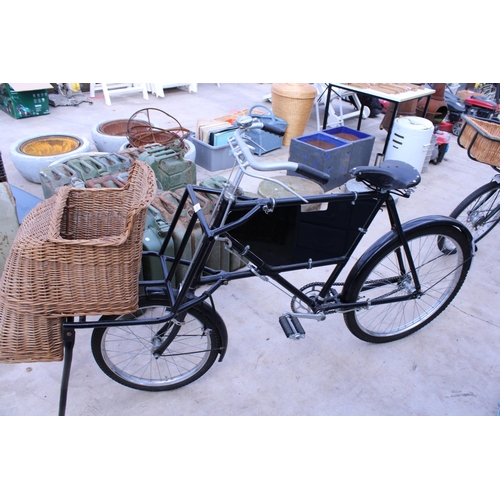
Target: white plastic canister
column 410, row 140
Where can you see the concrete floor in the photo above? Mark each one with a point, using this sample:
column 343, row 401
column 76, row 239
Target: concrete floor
column 451, row 367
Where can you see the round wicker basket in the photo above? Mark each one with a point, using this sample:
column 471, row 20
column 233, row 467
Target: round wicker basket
column 293, row 103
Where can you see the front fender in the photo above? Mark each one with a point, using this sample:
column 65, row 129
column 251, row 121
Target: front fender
column 220, row 325
column 204, row 307
column 391, row 237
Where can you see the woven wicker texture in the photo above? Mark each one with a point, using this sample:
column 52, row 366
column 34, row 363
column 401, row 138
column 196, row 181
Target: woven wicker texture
column 28, row 338
column 293, row 103
column 482, row 140
column 77, row 253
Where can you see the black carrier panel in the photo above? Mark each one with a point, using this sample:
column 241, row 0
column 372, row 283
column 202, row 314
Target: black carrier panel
column 287, row 235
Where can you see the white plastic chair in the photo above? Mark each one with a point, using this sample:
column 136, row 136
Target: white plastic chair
column 118, row 88
column 157, row 88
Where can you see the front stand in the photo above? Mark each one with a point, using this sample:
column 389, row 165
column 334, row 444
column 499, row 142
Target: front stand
column 68, row 334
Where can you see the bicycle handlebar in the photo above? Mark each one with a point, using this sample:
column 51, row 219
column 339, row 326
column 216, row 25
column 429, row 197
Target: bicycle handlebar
column 273, row 128
column 312, row 173
column 247, row 123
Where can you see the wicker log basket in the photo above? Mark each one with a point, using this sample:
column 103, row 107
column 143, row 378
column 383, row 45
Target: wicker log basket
column 77, row 253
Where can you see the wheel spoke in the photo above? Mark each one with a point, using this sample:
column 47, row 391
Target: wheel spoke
column 440, row 275
column 480, row 212
column 125, row 353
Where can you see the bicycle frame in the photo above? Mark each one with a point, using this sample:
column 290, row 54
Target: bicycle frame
column 254, row 210
column 199, row 275
column 228, row 226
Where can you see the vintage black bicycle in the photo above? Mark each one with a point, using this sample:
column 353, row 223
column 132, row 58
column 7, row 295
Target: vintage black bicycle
column 480, row 211
column 401, row 282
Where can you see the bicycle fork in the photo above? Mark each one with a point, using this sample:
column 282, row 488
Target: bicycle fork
column 489, row 214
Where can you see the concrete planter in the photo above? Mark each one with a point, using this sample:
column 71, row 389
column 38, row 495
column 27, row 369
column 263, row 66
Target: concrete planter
column 109, row 136
column 31, row 154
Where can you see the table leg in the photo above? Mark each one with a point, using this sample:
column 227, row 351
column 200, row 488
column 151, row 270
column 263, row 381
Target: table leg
column 394, row 114
column 360, row 117
column 327, row 107
column 426, row 106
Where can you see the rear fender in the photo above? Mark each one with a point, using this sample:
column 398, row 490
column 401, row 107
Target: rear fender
column 391, row 237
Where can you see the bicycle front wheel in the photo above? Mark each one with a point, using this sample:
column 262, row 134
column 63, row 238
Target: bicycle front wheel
column 125, row 353
column 441, row 271
column 480, row 211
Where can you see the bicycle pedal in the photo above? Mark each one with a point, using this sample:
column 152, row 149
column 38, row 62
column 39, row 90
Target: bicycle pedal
column 292, row 327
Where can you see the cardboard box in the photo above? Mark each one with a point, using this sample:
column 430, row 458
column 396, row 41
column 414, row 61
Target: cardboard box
column 22, row 100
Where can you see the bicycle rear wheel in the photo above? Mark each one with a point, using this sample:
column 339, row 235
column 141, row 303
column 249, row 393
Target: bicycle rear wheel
column 441, row 271
column 124, row 353
column 480, row 211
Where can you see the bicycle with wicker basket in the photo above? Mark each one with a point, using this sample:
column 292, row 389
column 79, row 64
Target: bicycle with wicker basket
column 167, row 336
column 400, row 284
column 480, row 211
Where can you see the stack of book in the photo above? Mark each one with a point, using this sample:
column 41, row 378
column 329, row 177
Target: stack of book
column 214, row 133
column 217, row 131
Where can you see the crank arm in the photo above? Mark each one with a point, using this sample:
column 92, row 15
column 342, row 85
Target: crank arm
column 318, row 316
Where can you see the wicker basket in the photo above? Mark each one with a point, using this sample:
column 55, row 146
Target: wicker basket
column 77, row 253
column 293, row 103
column 481, row 138
column 28, row 338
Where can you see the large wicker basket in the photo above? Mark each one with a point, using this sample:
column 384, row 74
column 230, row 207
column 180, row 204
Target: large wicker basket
column 481, row 138
column 77, row 253
column 293, row 102
column 28, row 337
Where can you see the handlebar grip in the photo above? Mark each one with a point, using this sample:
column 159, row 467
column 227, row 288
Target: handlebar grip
column 274, row 128
column 312, row 173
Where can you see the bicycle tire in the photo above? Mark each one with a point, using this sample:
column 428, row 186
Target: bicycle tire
column 480, row 211
column 441, row 274
column 124, row 353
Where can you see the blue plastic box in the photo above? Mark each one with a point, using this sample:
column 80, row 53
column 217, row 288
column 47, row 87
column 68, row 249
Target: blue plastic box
column 362, row 144
column 324, row 153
